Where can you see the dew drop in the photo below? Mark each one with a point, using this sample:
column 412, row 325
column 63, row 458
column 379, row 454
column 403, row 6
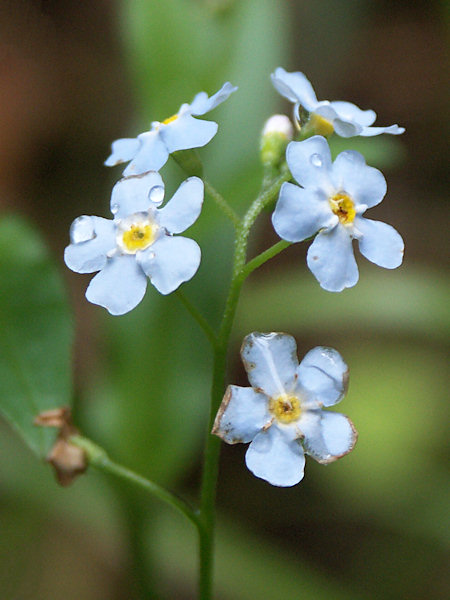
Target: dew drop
column 115, row 208
column 316, row 160
column 156, row 194
column 82, row 230
column 151, row 255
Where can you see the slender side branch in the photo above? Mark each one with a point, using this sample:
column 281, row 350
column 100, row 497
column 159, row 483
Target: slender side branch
column 196, row 314
column 98, row 458
column 263, row 257
column 222, row 204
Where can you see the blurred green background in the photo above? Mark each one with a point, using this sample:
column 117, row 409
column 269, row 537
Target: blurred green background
column 77, row 75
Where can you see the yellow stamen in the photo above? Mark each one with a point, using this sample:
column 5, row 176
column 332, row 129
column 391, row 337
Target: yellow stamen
column 285, row 408
column 170, row 119
column 320, row 125
column 343, row 206
column 138, row 237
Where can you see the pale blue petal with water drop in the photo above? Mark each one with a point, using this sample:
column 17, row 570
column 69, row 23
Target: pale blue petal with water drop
column 300, row 213
column 132, row 194
column 169, row 262
column 380, row 243
column 310, row 163
column 186, row 132
column 92, row 238
column 120, row 285
column 331, row 260
column 328, row 436
column 276, row 457
column 295, row 87
column 365, row 185
column 184, row 207
column 123, row 150
column 323, row 375
column 152, row 154
column 243, row 414
column 270, row 360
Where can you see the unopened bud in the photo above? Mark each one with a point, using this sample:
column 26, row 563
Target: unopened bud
column 276, row 135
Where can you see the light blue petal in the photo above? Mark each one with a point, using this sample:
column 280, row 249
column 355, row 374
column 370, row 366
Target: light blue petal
column 392, row 129
column 169, row 262
column 123, row 150
column 331, row 260
column 184, row 207
column 119, row 287
column 346, row 129
column 295, row 87
column 380, row 243
column 276, row 458
column 131, row 194
column 186, row 132
column 300, row 213
column 310, row 163
column 270, row 360
column 323, row 375
column 242, row 414
column 151, row 155
column 328, row 435
column 99, row 238
column 202, row 104
column 346, row 111
column 366, row 185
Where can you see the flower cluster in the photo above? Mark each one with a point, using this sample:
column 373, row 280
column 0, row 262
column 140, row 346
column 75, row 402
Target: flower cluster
column 138, row 242
column 281, row 413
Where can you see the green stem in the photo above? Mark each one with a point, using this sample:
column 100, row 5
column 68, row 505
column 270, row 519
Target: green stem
column 222, row 204
column 98, row 458
column 213, row 443
column 208, row 330
column 264, row 257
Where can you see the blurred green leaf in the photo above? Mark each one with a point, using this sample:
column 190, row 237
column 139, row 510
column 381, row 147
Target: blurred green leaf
column 35, row 332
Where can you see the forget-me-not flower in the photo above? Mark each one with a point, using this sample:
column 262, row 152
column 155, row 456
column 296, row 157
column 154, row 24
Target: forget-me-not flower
column 331, row 201
column 151, row 149
column 138, row 242
column 345, row 118
column 281, row 414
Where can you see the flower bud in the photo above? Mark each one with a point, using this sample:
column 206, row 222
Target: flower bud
column 276, row 135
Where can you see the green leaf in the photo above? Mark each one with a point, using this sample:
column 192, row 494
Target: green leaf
column 35, row 332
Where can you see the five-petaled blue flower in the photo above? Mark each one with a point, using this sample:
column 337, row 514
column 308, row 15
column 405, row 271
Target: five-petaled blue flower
column 138, row 243
column 281, row 414
column 345, row 118
column 151, row 149
column 331, row 201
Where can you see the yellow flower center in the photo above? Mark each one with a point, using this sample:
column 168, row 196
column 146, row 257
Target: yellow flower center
column 343, row 206
column 285, row 408
column 138, row 237
column 320, row 125
column 170, row 119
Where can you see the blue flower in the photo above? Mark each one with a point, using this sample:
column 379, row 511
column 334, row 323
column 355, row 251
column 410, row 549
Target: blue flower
column 331, row 201
column 345, row 118
column 138, row 243
column 281, row 414
column 151, row 149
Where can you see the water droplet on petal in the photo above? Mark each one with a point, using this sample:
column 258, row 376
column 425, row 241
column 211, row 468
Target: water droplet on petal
column 316, row 160
column 156, row 194
column 115, row 208
column 151, row 255
column 82, row 230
